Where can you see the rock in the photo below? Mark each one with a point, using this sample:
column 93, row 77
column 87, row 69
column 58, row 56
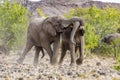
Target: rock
column 118, row 72
column 101, row 72
column 69, row 73
column 98, row 63
column 39, row 77
column 20, row 79
column 95, row 75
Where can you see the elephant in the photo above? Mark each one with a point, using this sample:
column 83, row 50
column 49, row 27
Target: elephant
column 42, row 33
column 79, row 42
column 109, row 38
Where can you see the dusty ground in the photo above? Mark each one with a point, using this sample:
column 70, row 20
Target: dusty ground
column 94, row 68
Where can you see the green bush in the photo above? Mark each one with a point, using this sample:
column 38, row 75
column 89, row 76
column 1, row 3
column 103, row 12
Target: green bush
column 13, row 25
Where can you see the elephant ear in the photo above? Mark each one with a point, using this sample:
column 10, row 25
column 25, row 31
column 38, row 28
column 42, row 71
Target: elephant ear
column 48, row 27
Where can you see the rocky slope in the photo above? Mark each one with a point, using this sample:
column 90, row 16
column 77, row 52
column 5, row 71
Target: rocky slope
column 60, row 7
column 101, row 5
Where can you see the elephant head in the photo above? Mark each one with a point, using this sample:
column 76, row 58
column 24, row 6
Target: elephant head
column 75, row 23
column 58, row 24
column 110, row 37
column 52, row 25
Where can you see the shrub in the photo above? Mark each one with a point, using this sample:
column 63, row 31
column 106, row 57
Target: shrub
column 13, row 25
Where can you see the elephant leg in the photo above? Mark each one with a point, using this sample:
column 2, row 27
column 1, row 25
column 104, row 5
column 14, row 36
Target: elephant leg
column 72, row 53
column 43, row 53
column 47, row 47
column 37, row 49
column 81, row 52
column 76, row 48
column 80, row 59
column 56, row 47
column 28, row 46
column 63, row 53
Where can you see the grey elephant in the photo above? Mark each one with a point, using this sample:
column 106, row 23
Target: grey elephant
column 78, row 39
column 110, row 38
column 41, row 33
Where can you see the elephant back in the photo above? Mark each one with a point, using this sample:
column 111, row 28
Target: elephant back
column 36, row 21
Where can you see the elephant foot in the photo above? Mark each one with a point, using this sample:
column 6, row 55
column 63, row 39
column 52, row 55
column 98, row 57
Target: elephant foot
column 20, row 60
column 72, row 64
column 79, row 61
column 60, row 63
column 35, row 64
column 54, row 63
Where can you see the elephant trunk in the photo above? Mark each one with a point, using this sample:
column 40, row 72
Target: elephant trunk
column 82, row 44
column 75, row 27
column 82, row 39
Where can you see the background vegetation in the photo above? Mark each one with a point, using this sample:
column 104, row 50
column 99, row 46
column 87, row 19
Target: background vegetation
column 13, row 25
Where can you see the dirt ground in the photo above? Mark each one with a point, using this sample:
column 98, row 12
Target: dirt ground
column 93, row 68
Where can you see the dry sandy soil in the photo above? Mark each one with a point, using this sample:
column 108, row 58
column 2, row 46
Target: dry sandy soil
column 93, row 68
